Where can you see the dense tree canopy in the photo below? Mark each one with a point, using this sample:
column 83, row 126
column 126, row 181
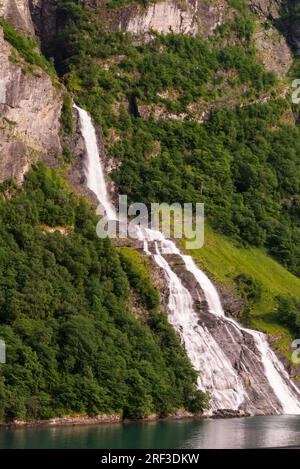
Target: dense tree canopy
column 243, row 162
column 72, row 344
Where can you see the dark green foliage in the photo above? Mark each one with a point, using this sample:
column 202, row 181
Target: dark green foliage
column 123, row 3
column 66, row 153
column 140, row 282
column 245, row 316
column 288, row 313
column 72, row 344
column 27, row 47
column 67, row 120
column 186, row 65
column 249, row 288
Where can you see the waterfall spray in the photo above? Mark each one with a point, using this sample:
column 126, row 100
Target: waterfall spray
column 258, row 375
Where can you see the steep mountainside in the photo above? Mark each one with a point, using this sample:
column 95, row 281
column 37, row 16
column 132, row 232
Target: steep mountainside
column 84, row 327
column 192, row 103
column 161, row 86
column 30, row 108
column 194, row 115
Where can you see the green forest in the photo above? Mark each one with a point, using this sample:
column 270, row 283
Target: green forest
column 242, row 162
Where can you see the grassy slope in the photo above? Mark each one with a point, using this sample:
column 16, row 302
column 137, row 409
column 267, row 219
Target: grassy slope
column 224, row 260
column 142, row 262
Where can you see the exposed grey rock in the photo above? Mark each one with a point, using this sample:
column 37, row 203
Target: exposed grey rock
column 267, row 8
column 231, row 302
column 179, row 16
column 294, row 36
column 272, row 47
column 43, row 13
column 30, row 110
column 273, row 51
column 59, row 421
column 18, row 14
column 185, row 17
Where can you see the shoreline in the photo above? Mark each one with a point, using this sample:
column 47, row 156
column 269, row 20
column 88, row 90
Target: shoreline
column 85, row 420
column 102, row 419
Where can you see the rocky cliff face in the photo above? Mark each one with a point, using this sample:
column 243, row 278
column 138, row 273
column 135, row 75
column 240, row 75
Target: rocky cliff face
column 267, row 8
column 43, row 13
column 17, row 12
column 294, row 36
column 188, row 17
column 238, row 345
column 30, row 110
column 272, row 47
column 30, row 106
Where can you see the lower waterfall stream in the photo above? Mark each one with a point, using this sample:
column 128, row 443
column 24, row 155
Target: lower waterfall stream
column 235, row 365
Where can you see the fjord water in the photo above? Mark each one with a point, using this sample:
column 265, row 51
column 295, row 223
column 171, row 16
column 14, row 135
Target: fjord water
column 217, row 374
column 251, row 432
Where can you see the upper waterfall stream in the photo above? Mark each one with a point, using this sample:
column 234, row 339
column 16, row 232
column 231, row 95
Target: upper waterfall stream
column 235, row 365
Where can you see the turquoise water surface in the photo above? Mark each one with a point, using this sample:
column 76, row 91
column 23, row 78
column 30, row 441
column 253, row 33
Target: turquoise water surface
column 251, row 432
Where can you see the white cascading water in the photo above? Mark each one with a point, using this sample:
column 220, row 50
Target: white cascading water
column 216, row 373
column 93, row 170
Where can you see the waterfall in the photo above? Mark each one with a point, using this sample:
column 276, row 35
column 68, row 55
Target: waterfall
column 93, row 171
column 235, row 365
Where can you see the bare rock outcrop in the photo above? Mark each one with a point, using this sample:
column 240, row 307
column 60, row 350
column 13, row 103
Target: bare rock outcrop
column 17, row 12
column 272, row 46
column 294, row 36
column 30, row 108
column 44, row 17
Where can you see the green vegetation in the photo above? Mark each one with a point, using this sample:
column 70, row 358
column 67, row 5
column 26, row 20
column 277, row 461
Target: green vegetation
column 246, row 172
column 227, row 260
column 288, row 313
column 242, row 163
column 66, row 118
column 124, row 3
column 187, row 68
column 230, row 263
column 72, row 345
column 27, row 48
